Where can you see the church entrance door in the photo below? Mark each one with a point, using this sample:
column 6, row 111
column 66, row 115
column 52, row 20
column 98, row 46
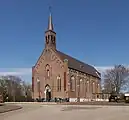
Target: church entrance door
column 48, row 93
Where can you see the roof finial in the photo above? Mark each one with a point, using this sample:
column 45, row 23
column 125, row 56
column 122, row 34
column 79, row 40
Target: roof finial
column 50, row 24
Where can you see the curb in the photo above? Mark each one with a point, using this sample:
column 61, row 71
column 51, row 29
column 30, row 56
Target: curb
column 9, row 110
column 101, row 104
column 1, row 104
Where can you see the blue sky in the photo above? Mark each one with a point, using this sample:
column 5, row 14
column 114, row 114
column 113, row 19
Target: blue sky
column 94, row 31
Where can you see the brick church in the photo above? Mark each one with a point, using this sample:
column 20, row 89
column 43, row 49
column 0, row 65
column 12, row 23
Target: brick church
column 59, row 75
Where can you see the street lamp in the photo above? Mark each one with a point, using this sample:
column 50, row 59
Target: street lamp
column 38, row 82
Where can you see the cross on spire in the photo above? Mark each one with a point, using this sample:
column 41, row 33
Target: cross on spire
column 50, row 7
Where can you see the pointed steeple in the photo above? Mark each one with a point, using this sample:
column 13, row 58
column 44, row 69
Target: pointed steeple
column 50, row 24
column 50, row 34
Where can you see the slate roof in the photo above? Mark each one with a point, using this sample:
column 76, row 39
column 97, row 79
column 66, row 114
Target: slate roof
column 78, row 65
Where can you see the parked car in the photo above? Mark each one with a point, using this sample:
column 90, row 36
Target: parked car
column 113, row 98
column 116, row 98
column 126, row 96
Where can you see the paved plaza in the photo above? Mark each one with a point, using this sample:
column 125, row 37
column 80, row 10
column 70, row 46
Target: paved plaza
column 67, row 112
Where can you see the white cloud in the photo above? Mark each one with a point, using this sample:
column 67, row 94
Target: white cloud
column 28, row 71
column 15, row 71
column 9, row 73
column 103, row 68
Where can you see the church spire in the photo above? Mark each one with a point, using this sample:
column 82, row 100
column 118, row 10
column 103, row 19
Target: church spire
column 50, row 24
column 50, row 34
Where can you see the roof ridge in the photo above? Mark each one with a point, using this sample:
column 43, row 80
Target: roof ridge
column 75, row 59
column 76, row 64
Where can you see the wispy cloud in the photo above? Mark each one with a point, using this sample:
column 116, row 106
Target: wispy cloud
column 15, row 71
column 24, row 73
column 103, row 68
column 28, row 71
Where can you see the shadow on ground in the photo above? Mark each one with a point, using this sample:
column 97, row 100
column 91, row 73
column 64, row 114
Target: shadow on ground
column 70, row 108
column 96, row 103
column 6, row 108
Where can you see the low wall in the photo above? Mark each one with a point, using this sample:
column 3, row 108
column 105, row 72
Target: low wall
column 86, row 100
column 31, row 102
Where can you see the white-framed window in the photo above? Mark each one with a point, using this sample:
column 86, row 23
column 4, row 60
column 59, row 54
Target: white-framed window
column 47, row 70
column 58, row 83
column 72, row 83
column 48, row 73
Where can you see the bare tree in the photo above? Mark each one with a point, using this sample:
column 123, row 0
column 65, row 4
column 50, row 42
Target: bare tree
column 115, row 79
column 3, row 87
column 13, row 88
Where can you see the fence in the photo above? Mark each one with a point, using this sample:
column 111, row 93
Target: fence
column 94, row 97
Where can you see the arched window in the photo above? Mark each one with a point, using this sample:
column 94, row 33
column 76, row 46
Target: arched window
column 58, row 83
column 47, row 40
column 38, row 85
column 48, row 73
column 87, row 86
column 98, row 88
column 93, row 87
column 72, row 83
column 48, row 37
column 48, row 70
column 54, row 38
column 51, row 37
